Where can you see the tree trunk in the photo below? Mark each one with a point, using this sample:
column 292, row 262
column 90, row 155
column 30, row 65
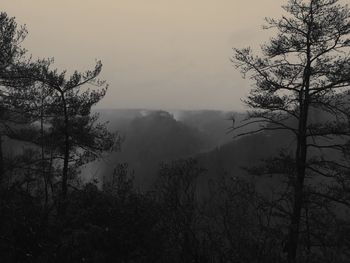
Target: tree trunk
column 2, row 170
column 65, row 158
column 298, row 203
column 43, row 151
column 301, row 157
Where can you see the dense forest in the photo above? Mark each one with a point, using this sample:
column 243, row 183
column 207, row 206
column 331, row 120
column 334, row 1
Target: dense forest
column 82, row 184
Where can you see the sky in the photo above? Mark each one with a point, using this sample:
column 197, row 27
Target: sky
column 156, row 54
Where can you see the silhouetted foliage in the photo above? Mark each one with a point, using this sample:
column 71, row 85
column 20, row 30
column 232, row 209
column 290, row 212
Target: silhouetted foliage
column 305, row 67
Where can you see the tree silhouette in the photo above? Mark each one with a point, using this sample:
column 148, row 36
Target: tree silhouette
column 11, row 53
column 20, row 88
column 304, row 68
column 79, row 138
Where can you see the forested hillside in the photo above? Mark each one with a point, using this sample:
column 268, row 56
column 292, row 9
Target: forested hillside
column 151, row 137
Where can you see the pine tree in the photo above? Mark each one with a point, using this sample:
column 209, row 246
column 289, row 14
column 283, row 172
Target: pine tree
column 79, row 137
column 305, row 68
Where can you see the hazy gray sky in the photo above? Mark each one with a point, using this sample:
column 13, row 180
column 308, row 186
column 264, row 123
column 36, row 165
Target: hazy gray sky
column 160, row 54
